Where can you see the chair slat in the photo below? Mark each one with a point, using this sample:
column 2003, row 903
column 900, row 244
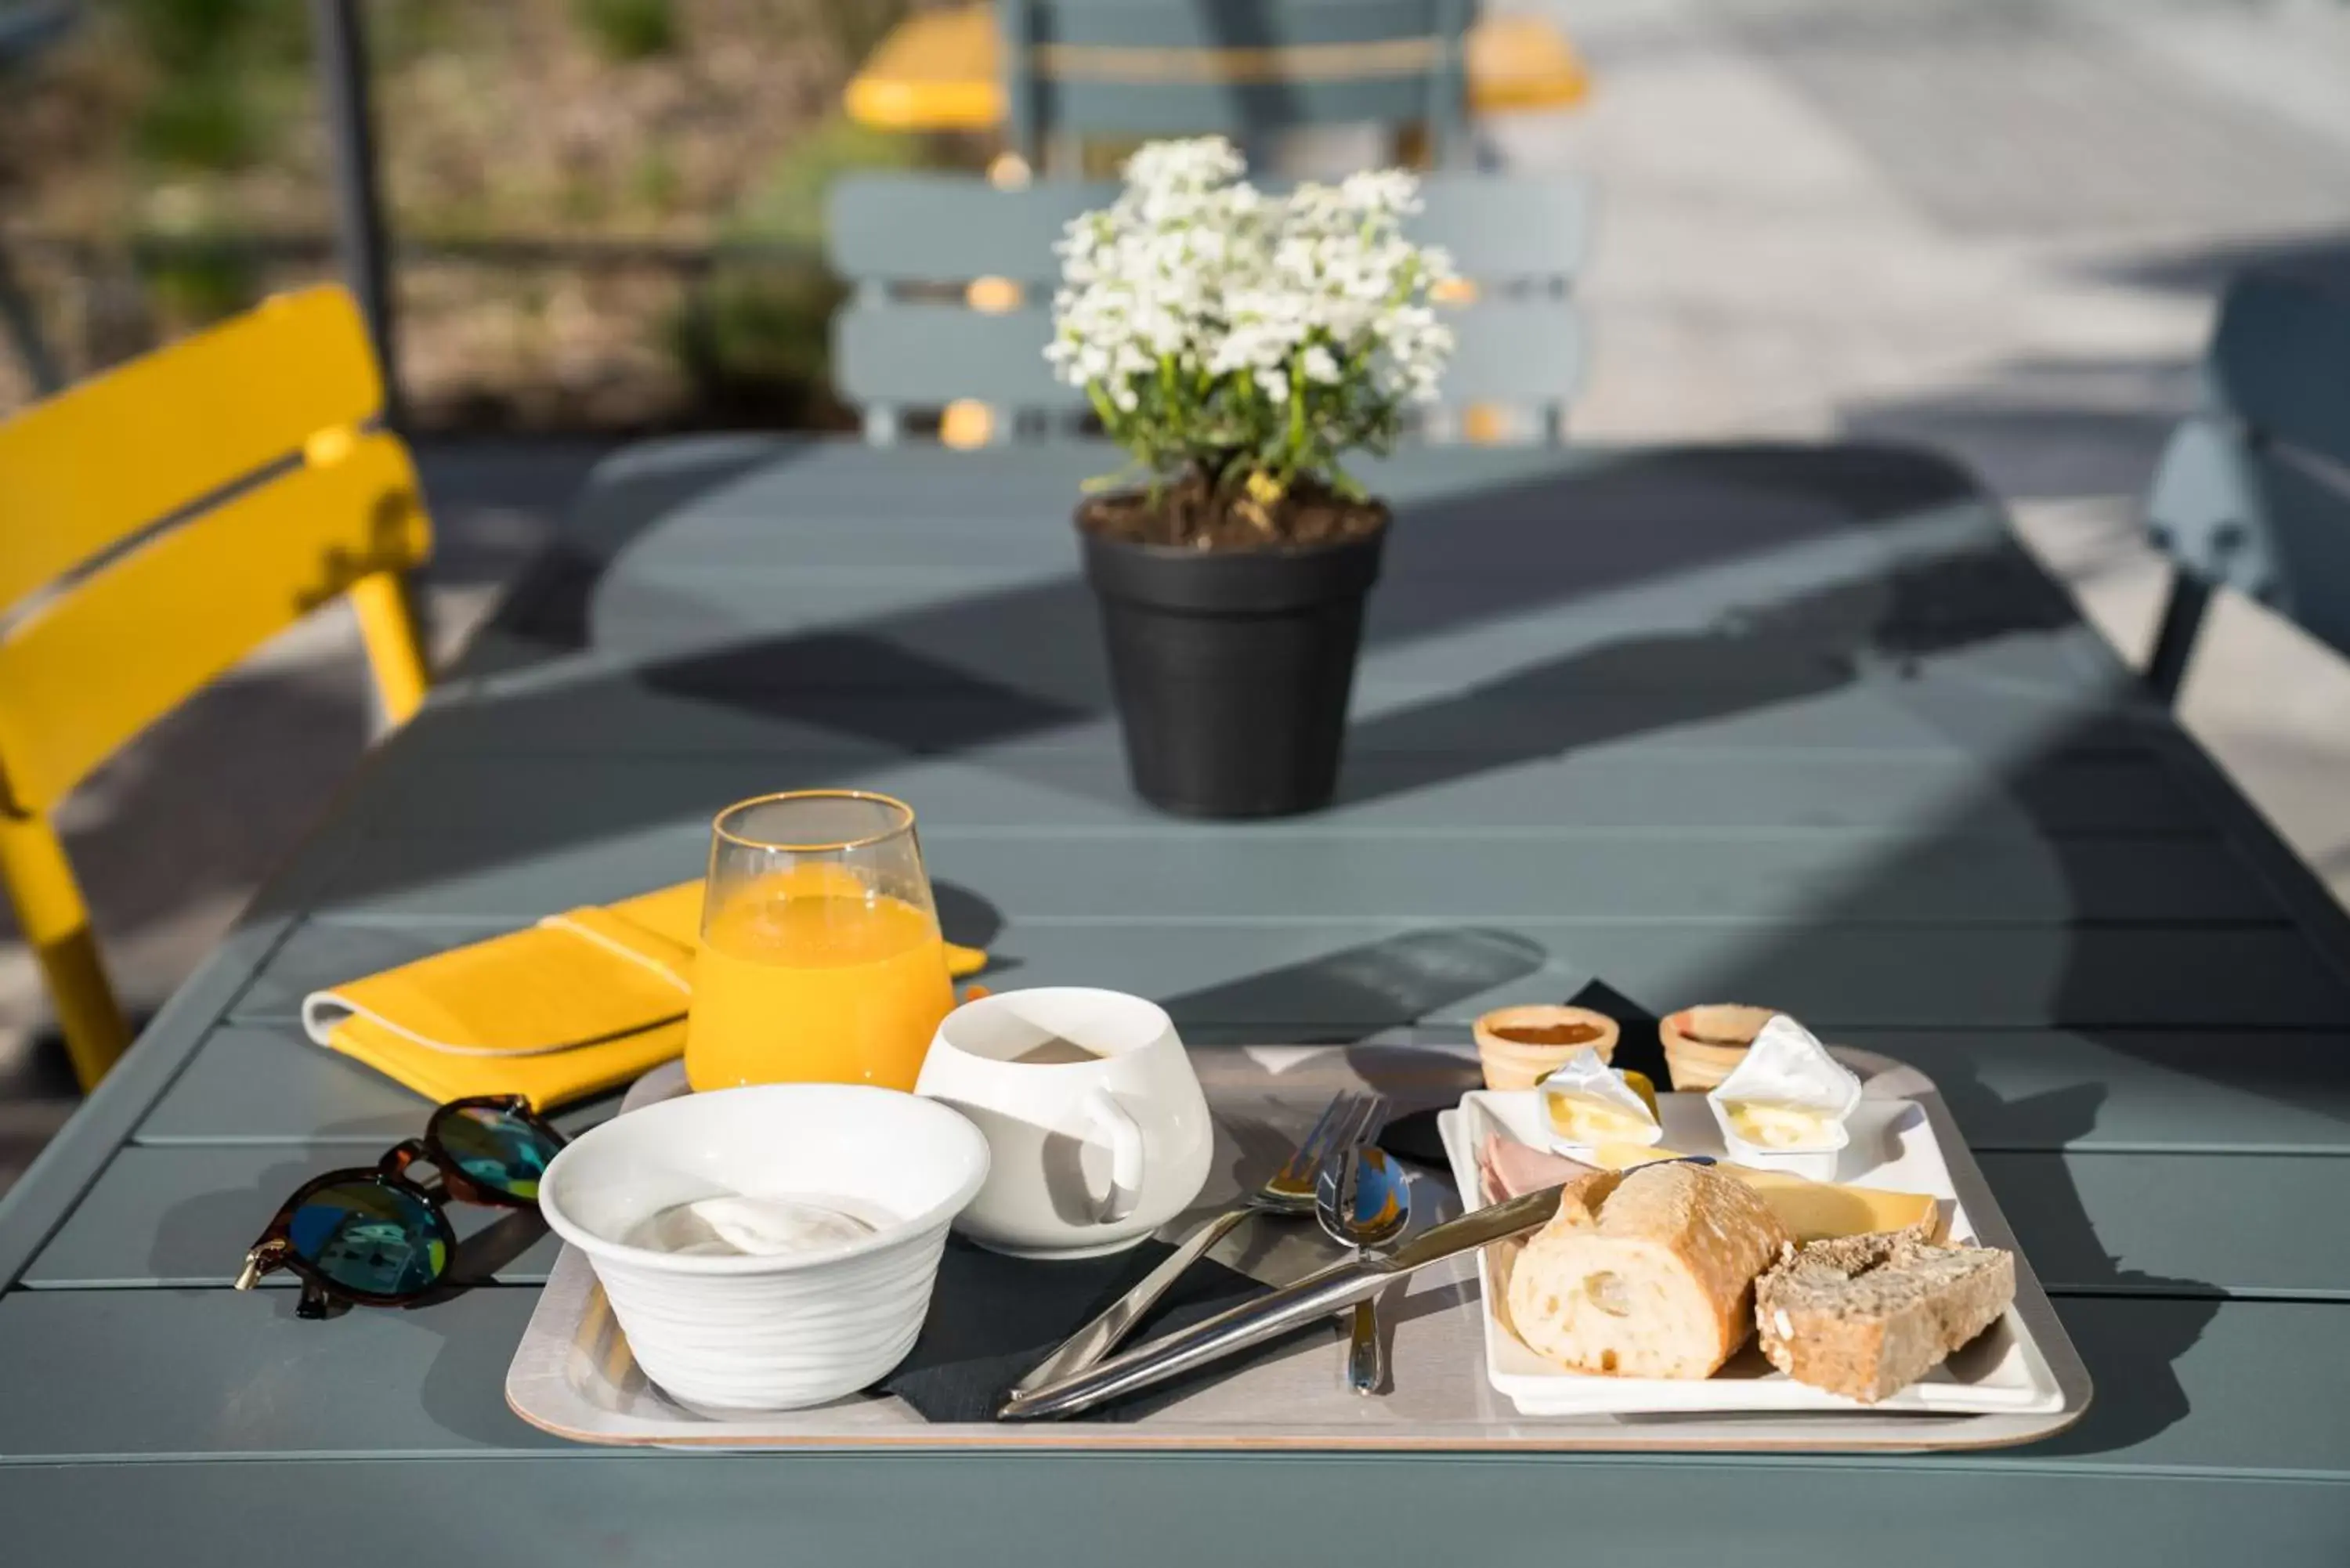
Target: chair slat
column 926, row 355
column 1090, row 67
column 949, row 228
column 1508, row 228
column 1123, row 107
column 86, row 469
column 1228, row 25
column 180, row 610
column 1515, row 350
column 2255, row 495
column 2308, row 517
column 901, row 229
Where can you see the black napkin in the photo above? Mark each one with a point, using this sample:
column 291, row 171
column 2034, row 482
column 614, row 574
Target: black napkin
column 1415, row 1136
column 992, row 1318
column 1638, row 1044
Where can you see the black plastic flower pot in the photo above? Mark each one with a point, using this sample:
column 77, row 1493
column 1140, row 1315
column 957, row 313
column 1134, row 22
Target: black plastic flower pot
column 1232, row 669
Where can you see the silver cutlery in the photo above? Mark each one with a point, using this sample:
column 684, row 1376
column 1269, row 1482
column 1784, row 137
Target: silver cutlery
column 1253, row 1322
column 1289, row 1190
column 1364, row 1201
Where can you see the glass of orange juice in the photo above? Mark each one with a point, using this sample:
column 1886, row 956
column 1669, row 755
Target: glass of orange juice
column 820, row 960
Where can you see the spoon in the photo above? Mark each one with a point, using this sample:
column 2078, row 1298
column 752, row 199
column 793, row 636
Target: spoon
column 1364, row 1200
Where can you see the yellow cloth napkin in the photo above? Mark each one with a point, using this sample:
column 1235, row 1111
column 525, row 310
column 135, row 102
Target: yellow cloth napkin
column 580, row 1003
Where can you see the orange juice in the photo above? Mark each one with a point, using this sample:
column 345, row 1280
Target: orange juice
column 798, row 980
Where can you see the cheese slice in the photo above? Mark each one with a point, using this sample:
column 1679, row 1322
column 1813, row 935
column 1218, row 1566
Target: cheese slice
column 1811, row 1210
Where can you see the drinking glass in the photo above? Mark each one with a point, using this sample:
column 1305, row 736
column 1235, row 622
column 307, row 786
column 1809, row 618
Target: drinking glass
column 820, row 960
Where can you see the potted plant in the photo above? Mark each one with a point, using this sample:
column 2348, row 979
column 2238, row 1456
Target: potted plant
column 1238, row 344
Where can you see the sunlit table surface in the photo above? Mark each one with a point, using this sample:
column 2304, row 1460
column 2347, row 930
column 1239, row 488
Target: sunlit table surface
column 1799, row 725
column 939, row 70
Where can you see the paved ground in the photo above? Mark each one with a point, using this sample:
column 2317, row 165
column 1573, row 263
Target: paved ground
column 1990, row 225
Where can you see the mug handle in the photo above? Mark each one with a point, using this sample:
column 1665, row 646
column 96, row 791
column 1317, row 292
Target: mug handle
column 1123, row 1135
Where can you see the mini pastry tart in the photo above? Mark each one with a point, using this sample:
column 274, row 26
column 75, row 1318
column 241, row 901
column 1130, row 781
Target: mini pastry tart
column 1518, row 1046
column 1704, row 1045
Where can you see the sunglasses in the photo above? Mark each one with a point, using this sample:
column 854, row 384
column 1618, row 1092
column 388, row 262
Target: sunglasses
column 373, row 1236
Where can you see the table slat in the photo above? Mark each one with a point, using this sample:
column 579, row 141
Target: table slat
column 2174, row 1224
column 1442, row 625
column 271, row 1085
column 207, row 1372
column 697, row 707
column 1685, row 875
column 139, row 1373
column 1308, row 974
column 2134, row 1091
column 514, row 800
column 182, row 1215
column 849, row 1511
column 2020, row 1089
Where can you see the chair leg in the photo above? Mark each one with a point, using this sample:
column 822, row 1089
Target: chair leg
column 2174, row 639
column 395, row 653
column 23, row 325
column 57, row 923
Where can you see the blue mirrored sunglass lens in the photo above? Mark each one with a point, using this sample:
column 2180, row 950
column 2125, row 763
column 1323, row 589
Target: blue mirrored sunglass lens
column 497, row 1150
column 367, row 1236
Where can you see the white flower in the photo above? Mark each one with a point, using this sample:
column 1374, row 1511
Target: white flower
column 1225, row 303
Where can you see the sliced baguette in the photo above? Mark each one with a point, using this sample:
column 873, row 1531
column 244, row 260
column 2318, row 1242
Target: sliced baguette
column 1649, row 1273
column 1865, row 1316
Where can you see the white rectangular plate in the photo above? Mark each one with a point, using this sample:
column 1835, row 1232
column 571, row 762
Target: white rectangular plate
column 1893, row 1145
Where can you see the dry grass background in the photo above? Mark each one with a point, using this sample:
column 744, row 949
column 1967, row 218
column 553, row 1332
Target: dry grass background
column 166, row 166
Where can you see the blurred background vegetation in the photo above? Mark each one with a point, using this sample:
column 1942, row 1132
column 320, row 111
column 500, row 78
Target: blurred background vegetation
column 608, row 210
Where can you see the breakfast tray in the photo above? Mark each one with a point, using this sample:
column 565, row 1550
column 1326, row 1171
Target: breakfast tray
column 573, row 1375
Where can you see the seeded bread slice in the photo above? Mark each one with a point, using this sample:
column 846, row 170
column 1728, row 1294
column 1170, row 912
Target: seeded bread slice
column 1865, row 1316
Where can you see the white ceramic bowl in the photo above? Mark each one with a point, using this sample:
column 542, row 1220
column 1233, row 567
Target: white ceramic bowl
column 732, row 1333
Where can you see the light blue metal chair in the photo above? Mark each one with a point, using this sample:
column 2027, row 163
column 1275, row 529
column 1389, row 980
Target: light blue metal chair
column 910, row 340
column 1247, row 68
column 2253, row 492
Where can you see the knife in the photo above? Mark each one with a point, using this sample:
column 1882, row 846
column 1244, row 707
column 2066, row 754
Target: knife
column 1318, row 1294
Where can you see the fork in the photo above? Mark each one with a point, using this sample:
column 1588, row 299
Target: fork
column 1289, row 1190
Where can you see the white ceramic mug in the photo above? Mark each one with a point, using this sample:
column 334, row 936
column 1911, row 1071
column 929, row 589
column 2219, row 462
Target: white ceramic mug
column 1097, row 1137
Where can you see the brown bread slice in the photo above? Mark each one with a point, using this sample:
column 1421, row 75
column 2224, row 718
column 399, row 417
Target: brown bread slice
column 1865, row 1316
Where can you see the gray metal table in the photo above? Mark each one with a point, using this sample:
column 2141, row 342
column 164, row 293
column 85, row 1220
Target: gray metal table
column 1797, row 725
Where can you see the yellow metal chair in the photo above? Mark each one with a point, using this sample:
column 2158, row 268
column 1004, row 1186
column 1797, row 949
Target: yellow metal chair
column 942, row 69
column 157, row 523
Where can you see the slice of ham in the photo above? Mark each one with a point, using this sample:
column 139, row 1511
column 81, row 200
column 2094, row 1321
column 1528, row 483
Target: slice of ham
column 1508, row 1167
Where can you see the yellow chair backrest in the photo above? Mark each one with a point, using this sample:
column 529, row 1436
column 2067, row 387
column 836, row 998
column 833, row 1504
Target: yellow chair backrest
column 159, row 523
column 287, row 387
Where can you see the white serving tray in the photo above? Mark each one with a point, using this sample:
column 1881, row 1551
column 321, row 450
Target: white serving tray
column 572, row 1374
column 1894, row 1145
